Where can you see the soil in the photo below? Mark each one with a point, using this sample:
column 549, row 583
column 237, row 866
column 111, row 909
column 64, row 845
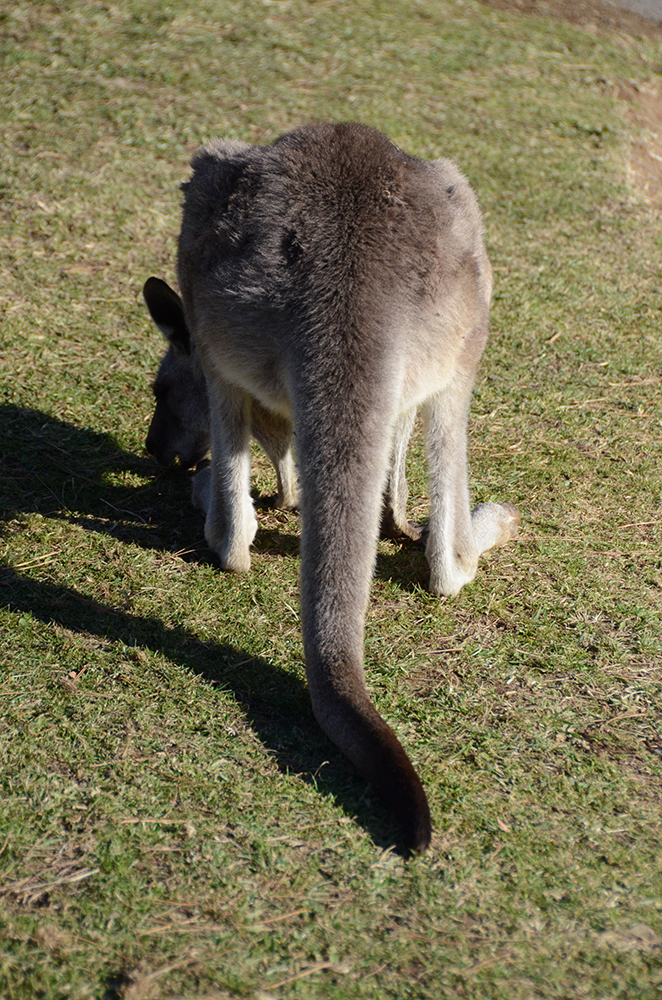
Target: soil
column 596, row 15
column 643, row 105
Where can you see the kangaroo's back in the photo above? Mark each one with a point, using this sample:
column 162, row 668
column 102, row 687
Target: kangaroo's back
column 331, row 231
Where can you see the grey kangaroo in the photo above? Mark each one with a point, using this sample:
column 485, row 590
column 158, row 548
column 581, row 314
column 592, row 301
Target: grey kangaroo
column 180, row 427
column 335, row 285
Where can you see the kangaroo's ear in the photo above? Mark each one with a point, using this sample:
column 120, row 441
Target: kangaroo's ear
column 165, row 307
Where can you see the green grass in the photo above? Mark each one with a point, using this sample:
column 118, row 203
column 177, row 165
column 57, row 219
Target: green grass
column 172, row 822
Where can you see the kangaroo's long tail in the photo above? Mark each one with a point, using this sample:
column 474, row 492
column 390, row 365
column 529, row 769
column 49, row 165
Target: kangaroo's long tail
column 343, row 445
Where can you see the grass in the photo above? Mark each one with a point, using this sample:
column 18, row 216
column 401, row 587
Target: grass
column 172, row 822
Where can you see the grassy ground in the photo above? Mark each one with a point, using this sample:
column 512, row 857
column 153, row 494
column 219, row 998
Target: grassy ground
column 172, row 822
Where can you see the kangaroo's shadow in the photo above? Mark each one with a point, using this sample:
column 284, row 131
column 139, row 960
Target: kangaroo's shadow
column 56, row 469
column 71, row 473
column 53, row 468
column 275, row 702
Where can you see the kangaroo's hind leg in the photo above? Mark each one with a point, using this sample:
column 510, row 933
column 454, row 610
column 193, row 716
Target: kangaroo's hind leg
column 230, row 524
column 457, row 536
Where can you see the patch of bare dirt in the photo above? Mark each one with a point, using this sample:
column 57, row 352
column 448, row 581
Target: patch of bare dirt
column 591, row 14
column 643, row 106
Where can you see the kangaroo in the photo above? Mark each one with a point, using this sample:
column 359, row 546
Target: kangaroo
column 335, row 282
column 180, row 425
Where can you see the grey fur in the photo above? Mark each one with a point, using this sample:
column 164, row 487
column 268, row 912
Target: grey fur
column 180, row 426
column 341, row 285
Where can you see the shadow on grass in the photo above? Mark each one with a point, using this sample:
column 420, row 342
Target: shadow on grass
column 58, row 470
column 61, row 471
column 275, row 702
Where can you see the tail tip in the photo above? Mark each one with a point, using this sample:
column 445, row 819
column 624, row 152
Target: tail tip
column 418, row 827
column 419, row 835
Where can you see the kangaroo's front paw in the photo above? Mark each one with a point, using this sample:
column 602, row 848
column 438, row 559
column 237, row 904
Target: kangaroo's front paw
column 236, row 559
column 416, row 532
column 399, row 530
column 233, row 553
column 448, row 581
column 275, row 502
column 451, row 569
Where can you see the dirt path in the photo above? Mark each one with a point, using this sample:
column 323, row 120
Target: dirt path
column 634, row 17
column 647, row 8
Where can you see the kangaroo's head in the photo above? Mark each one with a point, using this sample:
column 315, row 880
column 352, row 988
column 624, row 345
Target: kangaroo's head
column 180, row 425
